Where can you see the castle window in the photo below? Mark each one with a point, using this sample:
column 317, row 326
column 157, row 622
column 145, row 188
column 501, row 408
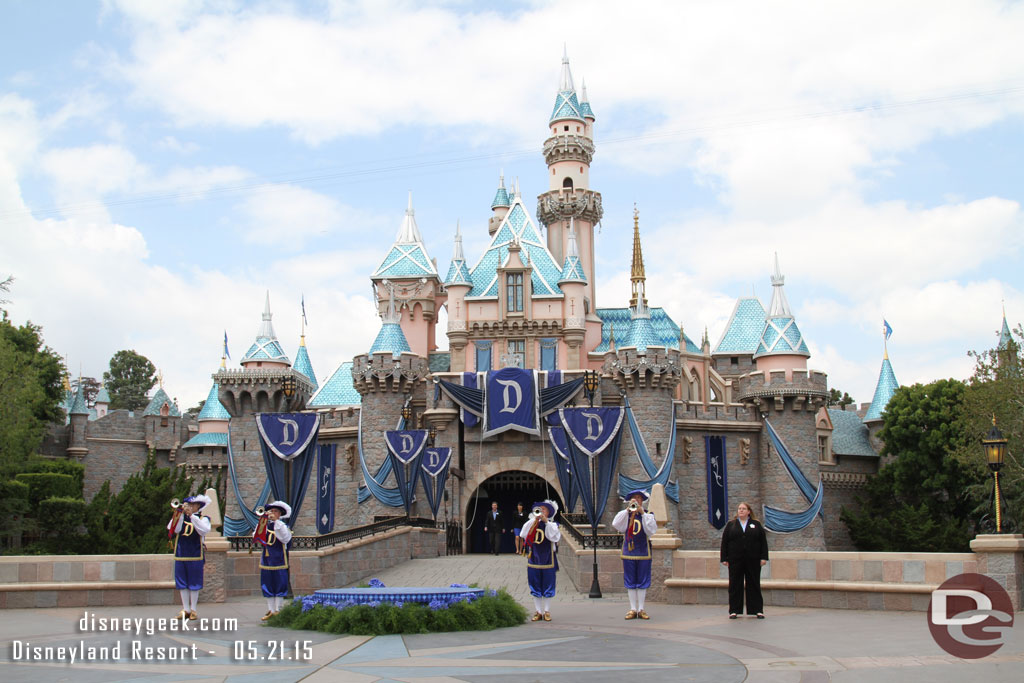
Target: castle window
column 567, row 129
column 514, row 292
column 734, row 360
column 549, row 354
column 577, row 129
column 823, row 449
column 567, row 183
column 517, row 348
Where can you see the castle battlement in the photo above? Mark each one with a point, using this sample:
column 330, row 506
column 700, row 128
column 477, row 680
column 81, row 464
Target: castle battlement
column 658, row 367
column 807, row 387
column 243, row 391
column 383, row 371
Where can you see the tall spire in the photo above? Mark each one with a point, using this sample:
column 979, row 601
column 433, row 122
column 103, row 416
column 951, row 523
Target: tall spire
column 458, row 273
column 409, row 233
column 636, row 273
column 457, row 254
column 266, row 347
column 585, row 109
column 572, row 268
column 501, row 198
column 567, row 106
column 780, row 306
column 565, row 83
column 1004, row 334
column 266, row 327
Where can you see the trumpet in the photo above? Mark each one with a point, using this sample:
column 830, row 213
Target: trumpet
column 633, row 506
column 260, row 511
column 175, row 503
column 538, row 511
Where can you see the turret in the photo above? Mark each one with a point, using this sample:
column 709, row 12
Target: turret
column 266, row 352
column 499, row 206
column 162, row 422
column 573, row 284
column 102, row 402
column 409, row 275
column 78, row 419
column 458, row 284
column 303, row 364
column 212, row 438
column 781, row 346
column 568, row 153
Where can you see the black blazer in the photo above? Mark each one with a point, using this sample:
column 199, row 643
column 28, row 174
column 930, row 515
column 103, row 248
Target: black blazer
column 493, row 524
column 519, row 519
column 739, row 545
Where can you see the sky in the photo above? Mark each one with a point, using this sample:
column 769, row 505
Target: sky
column 165, row 164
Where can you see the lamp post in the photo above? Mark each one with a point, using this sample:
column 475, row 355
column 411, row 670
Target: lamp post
column 406, row 419
column 995, row 451
column 591, row 381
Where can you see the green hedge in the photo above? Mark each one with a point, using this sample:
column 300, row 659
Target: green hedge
column 58, row 466
column 43, row 485
column 483, row 614
column 61, row 516
column 13, row 490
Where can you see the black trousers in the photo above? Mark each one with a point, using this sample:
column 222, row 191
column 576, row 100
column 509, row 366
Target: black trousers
column 495, row 541
column 748, row 572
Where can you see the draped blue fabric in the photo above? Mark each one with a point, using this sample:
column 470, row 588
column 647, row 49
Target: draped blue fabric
column 782, row 521
column 554, row 379
column 717, row 481
column 805, row 486
column 560, row 451
column 551, row 398
column 239, row 527
column 607, row 465
column 325, row 470
column 468, row 418
column 511, row 402
column 375, row 485
column 657, row 475
column 434, row 474
column 288, row 437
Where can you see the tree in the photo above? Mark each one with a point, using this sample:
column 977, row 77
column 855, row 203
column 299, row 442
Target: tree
column 839, row 399
column 5, row 286
column 919, row 501
column 196, row 409
column 90, row 388
column 996, row 390
column 129, row 380
column 31, row 390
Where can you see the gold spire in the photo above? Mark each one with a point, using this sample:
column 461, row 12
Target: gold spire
column 636, row 273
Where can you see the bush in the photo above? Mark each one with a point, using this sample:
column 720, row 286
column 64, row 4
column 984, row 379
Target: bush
column 495, row 609
column 59, row 466
column 61, row 516
column 14, row 490
column 43, row 485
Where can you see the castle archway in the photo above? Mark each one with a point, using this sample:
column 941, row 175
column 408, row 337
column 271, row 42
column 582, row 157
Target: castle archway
column 507, row 489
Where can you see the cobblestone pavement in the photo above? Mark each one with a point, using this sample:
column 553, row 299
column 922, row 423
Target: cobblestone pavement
column 588, row 640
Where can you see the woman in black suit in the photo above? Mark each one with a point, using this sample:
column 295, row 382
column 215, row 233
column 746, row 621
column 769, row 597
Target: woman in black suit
column 744, row 552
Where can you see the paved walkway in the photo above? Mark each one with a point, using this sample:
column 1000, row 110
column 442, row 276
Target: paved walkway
column 587, row 641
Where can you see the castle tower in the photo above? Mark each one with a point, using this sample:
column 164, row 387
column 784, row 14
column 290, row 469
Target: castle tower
column 303, row 364
column 410, row 276
column 208, row 447
column 102, row 402
column 499, row 207
column 385, row 378
column 458, row 284
column 789, row 396
column 78, row 419
column 266, row 352
column 568, row 153
column 637, row 277
column 884, row 389
column 162, row 421
column 648, row 371
column 266, row 383
column 573, row 284
column 1005, row 338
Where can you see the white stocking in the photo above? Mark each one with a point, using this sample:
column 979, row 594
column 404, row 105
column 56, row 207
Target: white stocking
column 641, row 593
column 270, row 604
column 538, row 605
column 280, row 603
column 194, row 599
column 632, row 598
column 547, row 604
column 184, row 598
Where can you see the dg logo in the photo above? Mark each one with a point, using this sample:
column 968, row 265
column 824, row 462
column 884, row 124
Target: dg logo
column 970, row 615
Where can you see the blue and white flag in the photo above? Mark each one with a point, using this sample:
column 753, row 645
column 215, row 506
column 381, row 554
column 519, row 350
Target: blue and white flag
column 718, row 482
column 226, row 354
column 591, row 429
column 886, row 328
column 405, row 446
column 325, row 463
column 287, row 435
column 434, row 473
column 511, row 402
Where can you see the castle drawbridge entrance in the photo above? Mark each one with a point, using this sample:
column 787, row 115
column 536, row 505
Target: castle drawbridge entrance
column 507, row 489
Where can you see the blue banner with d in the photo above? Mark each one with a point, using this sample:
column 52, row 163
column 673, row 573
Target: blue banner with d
column 434, row 474
column 511, row 402
column 288, row 440
column 405, row 446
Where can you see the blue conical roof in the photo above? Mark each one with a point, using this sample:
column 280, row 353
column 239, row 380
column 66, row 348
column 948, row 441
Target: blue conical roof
column 501, row 198
column 1004, row 335
column 408, row 256
column 780, row 336
column 78, row 404
column 158, row 401
column 266, row 347
column 886, row 387
column 338, row 390
column 567, row 106
column 213, row 409
column 458, row 271
column 103, row 396
column 391, row 338
column 744, row 329
column 303, row 364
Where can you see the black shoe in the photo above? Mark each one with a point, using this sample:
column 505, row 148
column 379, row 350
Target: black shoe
column 733, row 616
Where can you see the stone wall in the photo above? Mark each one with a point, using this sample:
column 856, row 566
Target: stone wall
column 838, row 580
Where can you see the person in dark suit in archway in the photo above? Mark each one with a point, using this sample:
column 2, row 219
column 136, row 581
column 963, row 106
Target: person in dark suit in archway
column 744, row 552
column 494, row 527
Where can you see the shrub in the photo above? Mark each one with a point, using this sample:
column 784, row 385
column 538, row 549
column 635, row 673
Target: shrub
column 14, row 490
column 58, row 466
column 62, row 516
column 43, row 485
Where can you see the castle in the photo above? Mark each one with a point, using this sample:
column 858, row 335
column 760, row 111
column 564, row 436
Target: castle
column 530, row 301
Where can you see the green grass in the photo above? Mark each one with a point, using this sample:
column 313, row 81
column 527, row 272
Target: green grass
column 484, row 614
